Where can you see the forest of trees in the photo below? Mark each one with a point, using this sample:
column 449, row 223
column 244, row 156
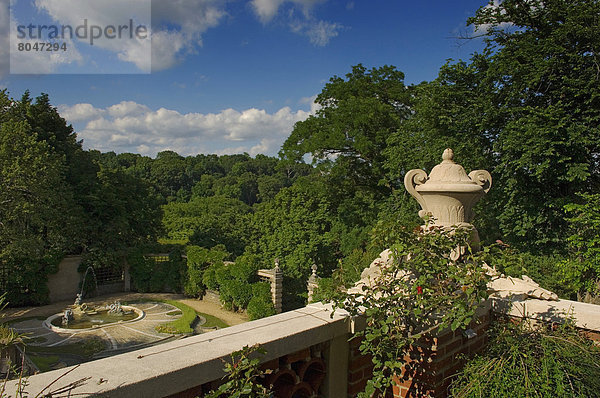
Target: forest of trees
column 527, row 108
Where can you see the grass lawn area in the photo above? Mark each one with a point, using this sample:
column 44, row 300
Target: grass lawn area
column 85, row 349
column 43, row 362
column 181, row 325
column 213, row 321
column 184, row 324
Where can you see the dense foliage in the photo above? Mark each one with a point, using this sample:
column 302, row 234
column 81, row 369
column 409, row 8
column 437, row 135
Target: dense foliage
column 419, row 292
column 55, row 199
column 243, row 375
column 522, row 360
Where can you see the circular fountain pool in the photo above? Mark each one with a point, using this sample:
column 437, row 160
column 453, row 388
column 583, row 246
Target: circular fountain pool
column 95, row 318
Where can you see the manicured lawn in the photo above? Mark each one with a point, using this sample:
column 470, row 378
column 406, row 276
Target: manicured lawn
column 43, row 362
column 84, row 349
column 181, row 325
column 213, row 321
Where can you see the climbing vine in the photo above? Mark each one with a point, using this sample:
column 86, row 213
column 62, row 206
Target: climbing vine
column 421, row 291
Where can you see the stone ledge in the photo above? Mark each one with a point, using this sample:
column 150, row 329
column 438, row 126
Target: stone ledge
column 587, row 316
column 180, row 365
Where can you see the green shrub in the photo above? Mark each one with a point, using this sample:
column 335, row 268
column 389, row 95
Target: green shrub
column 245, row 268
column 260, row 308
column 400, row 309
column 199, row 260
column 244, row 377
column 582, row 271
column 209, row 277
column 181, row 325
column 26, row 283
column 143, row 277
column 521, row 361
column 261, row 304
column 148, row 275
column 241, row 293
column 544, row 269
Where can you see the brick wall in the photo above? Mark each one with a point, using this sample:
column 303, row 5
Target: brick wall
column 360, row 368
column 430, row 365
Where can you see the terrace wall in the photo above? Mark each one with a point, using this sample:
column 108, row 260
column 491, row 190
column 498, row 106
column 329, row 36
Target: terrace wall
column 310, row 353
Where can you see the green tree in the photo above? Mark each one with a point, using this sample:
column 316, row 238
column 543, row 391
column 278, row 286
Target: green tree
column 34, row 213
column 581, row 271
column 209, row 221
column 199, row 260
column 546, row 130
column 348, row 134
column 296, row 228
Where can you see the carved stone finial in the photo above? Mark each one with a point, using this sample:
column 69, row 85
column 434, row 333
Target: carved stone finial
column 448, row 155
column 447, row 195
column 314, row 270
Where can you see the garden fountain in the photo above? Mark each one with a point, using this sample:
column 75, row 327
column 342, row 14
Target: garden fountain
column 81, row 316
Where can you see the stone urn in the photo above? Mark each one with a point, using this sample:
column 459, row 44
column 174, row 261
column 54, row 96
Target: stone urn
column 448, row 194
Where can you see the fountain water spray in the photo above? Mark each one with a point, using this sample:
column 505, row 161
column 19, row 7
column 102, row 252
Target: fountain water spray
column 80, row 295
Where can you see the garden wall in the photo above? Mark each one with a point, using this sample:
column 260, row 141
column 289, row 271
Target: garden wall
column 64, row 285
column 309, row 352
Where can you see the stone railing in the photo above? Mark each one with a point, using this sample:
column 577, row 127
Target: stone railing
column 310, row 354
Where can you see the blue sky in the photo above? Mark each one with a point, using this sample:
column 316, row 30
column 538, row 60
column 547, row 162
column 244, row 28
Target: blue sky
column 234, row 76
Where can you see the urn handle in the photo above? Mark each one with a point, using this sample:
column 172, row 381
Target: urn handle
column 411, row 180
column 482, row 178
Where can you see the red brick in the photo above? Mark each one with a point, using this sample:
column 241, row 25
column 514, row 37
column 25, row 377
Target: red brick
column 454, row 369
column 360, row 362
column 403, row 393
column 476, row 346
column 355, row 388
column 444, row 338
column 355, row 376
column 444, row 363
column 452, row 346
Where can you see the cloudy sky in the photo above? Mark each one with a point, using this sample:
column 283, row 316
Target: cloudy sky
column 222, row 76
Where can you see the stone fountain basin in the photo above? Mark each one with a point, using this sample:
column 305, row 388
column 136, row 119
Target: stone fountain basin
column 48, row 322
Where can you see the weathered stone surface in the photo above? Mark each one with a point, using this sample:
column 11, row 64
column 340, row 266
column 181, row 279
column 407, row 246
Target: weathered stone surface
column 519, row 288
column 448, row 194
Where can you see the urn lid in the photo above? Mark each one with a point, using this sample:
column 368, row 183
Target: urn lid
column 450, row 176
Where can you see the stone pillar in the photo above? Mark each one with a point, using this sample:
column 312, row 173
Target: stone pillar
column 275, row 278
column 313, row 282
column 277, row 288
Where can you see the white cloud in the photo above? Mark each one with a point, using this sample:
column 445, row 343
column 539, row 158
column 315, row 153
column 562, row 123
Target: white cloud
column 319, row 32
column 266, row 9
column 102, row 14
column 4, row 38
column 483, row 28
column 132, row 127
column 177, row 26
column 80, row 112
column 127, row 108
column 314, row 107
column 38, row 62
column 167, row 48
